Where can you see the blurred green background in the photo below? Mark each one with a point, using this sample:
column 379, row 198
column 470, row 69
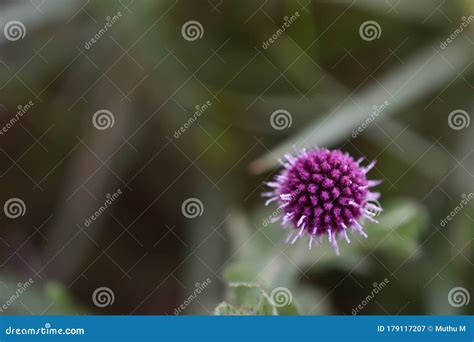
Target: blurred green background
column 136, row 62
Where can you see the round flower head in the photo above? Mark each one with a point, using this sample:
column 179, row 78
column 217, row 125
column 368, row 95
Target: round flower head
column 323, row 192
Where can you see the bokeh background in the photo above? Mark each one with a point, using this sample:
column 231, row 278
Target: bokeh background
column 399, row 91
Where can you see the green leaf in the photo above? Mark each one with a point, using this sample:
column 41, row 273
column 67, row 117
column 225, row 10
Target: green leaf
column 288, row 310
column 226, row 309
column 396, row 234
column 58, row 294
column 265, row 306
column 399, row 229
column 245, row 294
column 264, row 262
column 28, row 296
column 250, row 295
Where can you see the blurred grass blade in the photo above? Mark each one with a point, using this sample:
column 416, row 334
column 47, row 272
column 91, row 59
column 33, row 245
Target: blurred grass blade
column 418, row 77
column 417, row 11
column 410, row 147
column 34, row 16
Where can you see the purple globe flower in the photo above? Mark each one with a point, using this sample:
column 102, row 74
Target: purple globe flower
column 323, row 192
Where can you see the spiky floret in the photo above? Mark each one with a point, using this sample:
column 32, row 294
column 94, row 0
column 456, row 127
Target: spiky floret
column 323, row 192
